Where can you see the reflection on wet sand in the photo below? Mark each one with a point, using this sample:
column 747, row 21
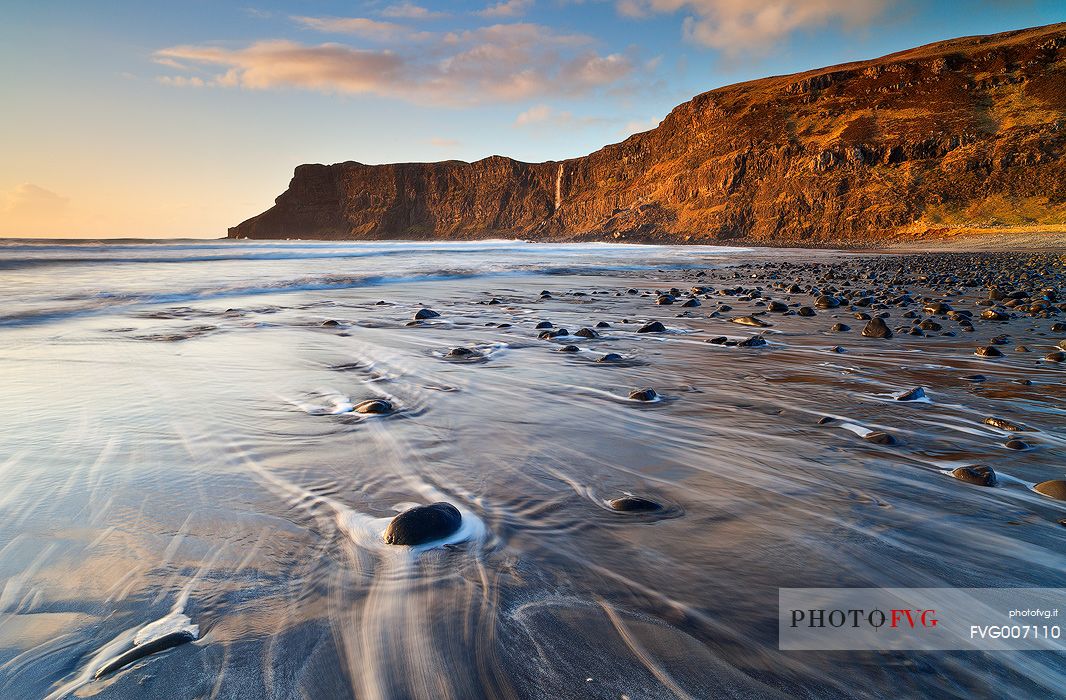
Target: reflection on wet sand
column 204, row 515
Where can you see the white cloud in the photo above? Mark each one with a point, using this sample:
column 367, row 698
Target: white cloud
column 359, row 26
column 182, row 81
column 29, row 202
column 637, row 126
column 408, row 10
column 543, row 115
column 508, row 8
column 737, row 26
column 502, row 62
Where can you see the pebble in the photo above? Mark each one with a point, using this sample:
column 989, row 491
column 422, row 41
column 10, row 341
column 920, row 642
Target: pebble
column 645, row 394
column 423, row 524
column 1004, row 424
column 634, row 504
column 652, row 327
column 879, row 438
column 910, row 394
column 979, row 475
column 423, row 314
column 876, row 328
column 373, row 406
column 749, row 321
column 1054, row 488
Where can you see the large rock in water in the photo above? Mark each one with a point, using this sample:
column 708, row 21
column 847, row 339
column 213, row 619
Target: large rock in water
column 888, row 141
column 977, row 475
column 1055, row 488
column 423, row 524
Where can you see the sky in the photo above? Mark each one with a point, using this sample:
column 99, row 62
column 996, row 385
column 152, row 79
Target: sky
column 162, row 120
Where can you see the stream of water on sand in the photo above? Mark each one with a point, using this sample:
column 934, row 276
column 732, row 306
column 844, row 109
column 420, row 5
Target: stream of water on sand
column 179, row 447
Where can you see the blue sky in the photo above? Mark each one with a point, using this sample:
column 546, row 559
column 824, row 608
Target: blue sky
column 180, row 119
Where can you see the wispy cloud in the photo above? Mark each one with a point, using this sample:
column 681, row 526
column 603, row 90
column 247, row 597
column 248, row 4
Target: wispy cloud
column 408, row 10
column 359, row 26
column 29, row 201
column 508, row 8
column 441, row 142
column 502, row 62
column 543, row 115
column 746, row 26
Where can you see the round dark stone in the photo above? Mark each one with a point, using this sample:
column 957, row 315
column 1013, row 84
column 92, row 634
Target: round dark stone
column 1055, row 488
column 610, row 357
column 603, row 324
column 879, row 438
column 806, row 311
column 840, row 328
column 776, row 307
column 373, row 406
column 330, row 324
column 587, row 333
column 423, row 524
column 988, row 351
column 1016, row 444
column 634, row 504
column 543, row 325
column 652, row 327
column 1004, row 424
column 979, row 475
column 462, row 352
column 423, row 314
column 569, row 348
column 826, row 302
column 645, row 394
column 690, row 303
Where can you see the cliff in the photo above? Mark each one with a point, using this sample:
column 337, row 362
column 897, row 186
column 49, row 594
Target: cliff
column 963, row 132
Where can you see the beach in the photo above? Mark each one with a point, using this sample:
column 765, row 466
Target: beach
column 184, row 444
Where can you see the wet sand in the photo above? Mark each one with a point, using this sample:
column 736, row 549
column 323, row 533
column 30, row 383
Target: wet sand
column 204, row 462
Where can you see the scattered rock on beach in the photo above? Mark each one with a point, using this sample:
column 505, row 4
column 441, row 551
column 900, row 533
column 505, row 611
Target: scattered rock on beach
column 749, row 321
column 645, row 394
column 876, row 328
column 910, row 394
column 423, row 314
column 879, row 438
column 652, row 327
column 423, row 524
column 373, row 406
column 1054, row 488
column 1004, row 424
column 634, row 504
column 979, row 475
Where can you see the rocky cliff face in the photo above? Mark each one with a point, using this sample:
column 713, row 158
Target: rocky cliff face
column 964, row 132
